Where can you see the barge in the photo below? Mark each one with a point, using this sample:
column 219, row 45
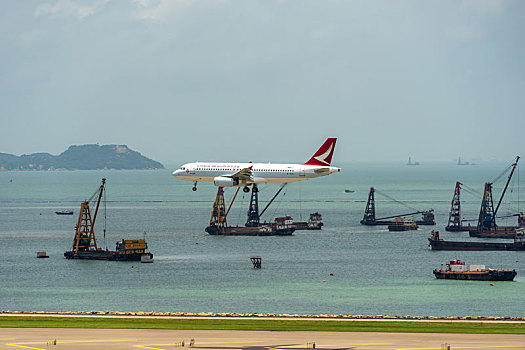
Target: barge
column 499, row 232
column 487, row 226
column 85, row 243
column 281, row 227
column 369, row 218
column 457, row 270
column 125, row 250
column 437, row 243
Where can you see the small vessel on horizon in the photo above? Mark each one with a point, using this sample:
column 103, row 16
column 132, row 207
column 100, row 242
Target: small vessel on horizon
column 464, row 163
column 41, row 254
column 457, row 270
column 411, row 163
column 64, row 212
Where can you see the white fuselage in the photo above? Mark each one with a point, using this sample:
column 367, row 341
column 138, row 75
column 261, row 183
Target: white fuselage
column 260, row 172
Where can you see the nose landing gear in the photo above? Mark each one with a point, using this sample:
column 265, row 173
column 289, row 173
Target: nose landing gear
column 194, row 186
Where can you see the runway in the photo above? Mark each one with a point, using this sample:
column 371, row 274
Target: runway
column 121, row 339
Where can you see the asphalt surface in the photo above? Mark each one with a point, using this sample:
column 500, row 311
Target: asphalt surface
column 117, row 339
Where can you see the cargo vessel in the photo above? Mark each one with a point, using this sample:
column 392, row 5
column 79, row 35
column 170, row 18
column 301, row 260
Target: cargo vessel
column 85, row 242
column 457, row 270
column 439, row 244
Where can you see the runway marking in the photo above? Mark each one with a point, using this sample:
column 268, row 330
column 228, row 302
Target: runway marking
column 336, row 345
column 23, row 346
column 200, row 343
column 232, row 342
column 80, row 341
column 471, row 347
column 219, row 342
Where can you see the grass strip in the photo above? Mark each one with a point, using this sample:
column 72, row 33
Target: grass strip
column 262, row 325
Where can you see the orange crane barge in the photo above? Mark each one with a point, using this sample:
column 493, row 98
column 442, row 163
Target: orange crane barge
column 85, row 242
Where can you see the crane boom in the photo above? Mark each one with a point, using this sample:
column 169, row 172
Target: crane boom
column 394, row 216
column 100, row 193
column 507, row 184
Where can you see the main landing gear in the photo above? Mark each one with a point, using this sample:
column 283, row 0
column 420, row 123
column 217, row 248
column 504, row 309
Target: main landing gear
column 246, row 189
column 194, row 186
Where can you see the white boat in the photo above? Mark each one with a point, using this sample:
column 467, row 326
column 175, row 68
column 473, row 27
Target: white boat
column 64, row 212
column 146, row 258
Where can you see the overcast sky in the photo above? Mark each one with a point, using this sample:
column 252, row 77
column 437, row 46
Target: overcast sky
column 265, row 80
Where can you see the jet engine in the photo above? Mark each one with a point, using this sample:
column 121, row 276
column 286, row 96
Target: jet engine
column 223, row 181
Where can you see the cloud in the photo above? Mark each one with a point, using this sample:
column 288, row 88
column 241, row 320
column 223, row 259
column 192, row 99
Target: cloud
column 158, row 10
column 70, row 9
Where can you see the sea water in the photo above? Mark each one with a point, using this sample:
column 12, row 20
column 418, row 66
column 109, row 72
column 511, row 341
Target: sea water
column 374, row 271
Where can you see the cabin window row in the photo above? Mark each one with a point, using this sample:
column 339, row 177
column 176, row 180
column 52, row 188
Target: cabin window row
column 227, row 169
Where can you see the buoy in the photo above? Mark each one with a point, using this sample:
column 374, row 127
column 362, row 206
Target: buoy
column 331, row 274
column 324, row 280
column 131, row 266
column 491, row 284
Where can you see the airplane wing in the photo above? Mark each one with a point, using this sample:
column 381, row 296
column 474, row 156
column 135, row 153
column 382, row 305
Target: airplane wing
column 243, row 174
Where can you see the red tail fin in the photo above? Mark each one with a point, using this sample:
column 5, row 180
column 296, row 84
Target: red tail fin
column 323, row 156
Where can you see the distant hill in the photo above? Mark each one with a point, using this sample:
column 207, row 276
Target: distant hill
column 85, row 157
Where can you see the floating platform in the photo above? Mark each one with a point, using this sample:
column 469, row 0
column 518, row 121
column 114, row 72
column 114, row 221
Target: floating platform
column 303, row 225
column 456, row 270
column 390, row 222
column 263, row 230
column 461, row 229
column 499, row 232
column 439, row 244
column 126, row 250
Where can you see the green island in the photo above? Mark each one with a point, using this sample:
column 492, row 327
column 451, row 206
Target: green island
column 472, row 327
column 80, row 157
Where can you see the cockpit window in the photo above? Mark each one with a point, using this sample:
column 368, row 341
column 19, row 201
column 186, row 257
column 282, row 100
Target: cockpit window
column 182, row 168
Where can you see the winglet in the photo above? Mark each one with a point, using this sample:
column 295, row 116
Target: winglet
column 323, row 156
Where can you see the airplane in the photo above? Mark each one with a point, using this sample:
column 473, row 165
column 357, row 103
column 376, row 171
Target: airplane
column 245, row 174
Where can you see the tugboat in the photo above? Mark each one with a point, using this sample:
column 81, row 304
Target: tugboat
column 85, row 243
column 400, row 224
column 457, row 270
